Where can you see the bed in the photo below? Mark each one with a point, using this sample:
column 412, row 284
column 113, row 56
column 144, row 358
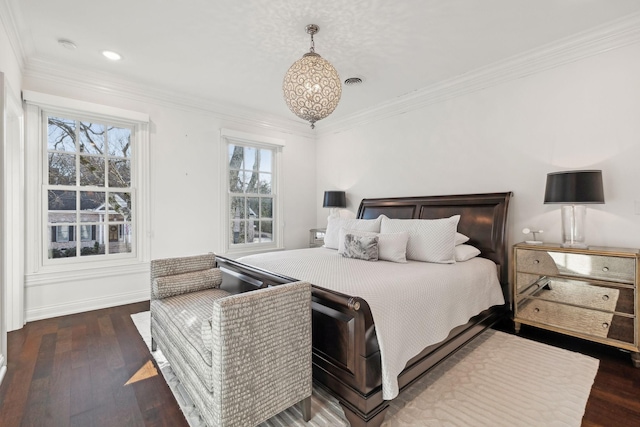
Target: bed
column 346, row 348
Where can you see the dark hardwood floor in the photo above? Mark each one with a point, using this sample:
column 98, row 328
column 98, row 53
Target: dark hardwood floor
column 73, row 371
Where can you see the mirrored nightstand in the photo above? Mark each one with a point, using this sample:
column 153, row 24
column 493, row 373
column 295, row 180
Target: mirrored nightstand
column 587, row 293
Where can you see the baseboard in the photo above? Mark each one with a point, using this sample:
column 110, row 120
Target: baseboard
column 85, row 305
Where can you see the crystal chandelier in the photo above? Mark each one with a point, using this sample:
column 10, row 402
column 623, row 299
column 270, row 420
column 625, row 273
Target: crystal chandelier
column 312, row 85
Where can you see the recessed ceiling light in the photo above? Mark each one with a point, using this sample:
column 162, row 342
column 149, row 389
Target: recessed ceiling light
column 67, row 43
column 109, row 54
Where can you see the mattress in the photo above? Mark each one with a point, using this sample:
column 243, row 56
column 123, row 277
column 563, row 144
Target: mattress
column 437, row 297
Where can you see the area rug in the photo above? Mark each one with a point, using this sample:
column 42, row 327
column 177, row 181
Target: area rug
column 496, row 380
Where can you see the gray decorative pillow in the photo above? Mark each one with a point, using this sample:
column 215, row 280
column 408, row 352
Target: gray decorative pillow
column 361, row 247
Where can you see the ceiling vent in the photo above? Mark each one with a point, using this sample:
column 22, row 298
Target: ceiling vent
column 67, row 43
column 353, row 81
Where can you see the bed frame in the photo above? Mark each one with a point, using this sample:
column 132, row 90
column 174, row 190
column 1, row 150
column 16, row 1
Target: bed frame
column 346, row 356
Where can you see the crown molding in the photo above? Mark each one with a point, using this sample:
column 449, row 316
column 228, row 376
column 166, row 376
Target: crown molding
column 103, row 83
column 9, row 21
column 613, row 35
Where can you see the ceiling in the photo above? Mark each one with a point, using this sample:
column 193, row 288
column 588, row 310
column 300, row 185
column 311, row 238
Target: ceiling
column 236, row 52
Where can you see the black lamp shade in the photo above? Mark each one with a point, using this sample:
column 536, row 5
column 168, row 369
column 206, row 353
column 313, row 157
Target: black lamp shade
column 574, row 187
column 334, row 199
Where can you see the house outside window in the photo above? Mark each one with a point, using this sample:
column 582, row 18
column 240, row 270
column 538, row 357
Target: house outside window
column 252, row 208
column 88, row 188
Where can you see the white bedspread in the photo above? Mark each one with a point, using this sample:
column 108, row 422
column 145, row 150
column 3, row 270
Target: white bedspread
column 437, row 296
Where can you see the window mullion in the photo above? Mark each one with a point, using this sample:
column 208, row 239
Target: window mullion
column 105, row 155
column 106, row 226
column 77, row 141
column 77, row 189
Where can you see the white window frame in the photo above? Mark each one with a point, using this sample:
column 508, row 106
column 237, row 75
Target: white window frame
column 38, row 107
column 228, row 137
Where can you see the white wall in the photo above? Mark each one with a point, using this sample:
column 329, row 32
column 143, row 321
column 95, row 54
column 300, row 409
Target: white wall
column 9, row 61
column 10, row 81
column 582, row 115
column 184, row 195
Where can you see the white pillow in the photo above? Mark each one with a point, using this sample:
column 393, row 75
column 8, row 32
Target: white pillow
column 430, row 240
column 391, row 247
column 335, row 224
column 461, row 238
column 466, row 252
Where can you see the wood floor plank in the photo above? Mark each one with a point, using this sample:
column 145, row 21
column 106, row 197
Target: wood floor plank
column 84, row 419
column 37, row 402
column 79, row 352
column 46, row 352
column 63, row 340
column 60, row 382
column 108, row 343
column 80, row 391
column 22, row 352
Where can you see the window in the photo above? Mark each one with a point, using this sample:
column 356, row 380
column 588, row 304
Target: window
column 251, row 183
column 87, row 171
column 88, row 186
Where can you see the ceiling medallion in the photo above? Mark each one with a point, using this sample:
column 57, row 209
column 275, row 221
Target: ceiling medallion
column 312, row 86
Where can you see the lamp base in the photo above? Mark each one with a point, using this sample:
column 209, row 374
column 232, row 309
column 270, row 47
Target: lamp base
column 573, row 226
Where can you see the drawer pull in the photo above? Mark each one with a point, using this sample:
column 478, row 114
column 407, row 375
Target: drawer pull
column 536, row 310
column 605, row 269
column 605, row 325
column 605, row 297
column 536, row 261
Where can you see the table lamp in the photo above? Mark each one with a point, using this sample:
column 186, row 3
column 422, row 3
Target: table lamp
column 574, row 189
column 334, row 200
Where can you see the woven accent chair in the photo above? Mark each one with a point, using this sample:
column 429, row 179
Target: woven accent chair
column 243, row 358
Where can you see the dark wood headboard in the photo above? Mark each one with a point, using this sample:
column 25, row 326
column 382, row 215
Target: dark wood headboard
column 483, row 217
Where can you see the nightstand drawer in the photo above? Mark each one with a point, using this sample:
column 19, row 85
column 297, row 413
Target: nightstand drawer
column 525, row 280
column 549, row 263
column 595, row 323
column 582, row 294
